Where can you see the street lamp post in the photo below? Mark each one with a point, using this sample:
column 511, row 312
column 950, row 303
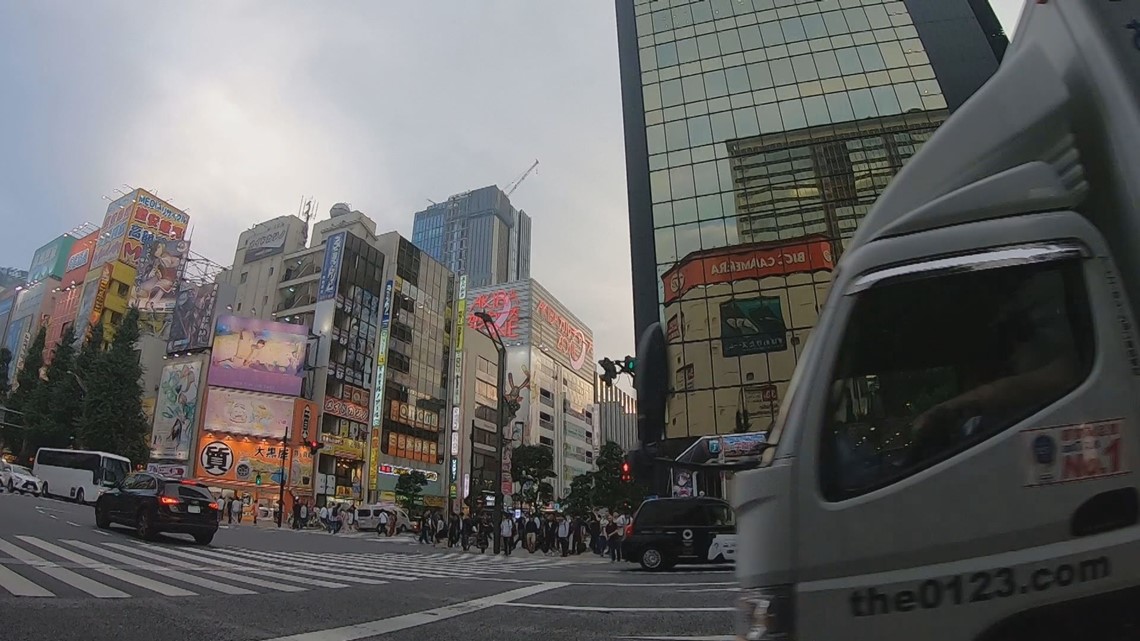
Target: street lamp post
column 492, row 331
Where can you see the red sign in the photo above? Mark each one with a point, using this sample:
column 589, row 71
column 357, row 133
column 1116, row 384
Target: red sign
column 742, row 262
column 345, row 409
column 502, row 306
column 572, row 341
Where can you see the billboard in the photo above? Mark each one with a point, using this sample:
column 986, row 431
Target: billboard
column 13, row 340
column 382, row 355
column 330, row 272
column 159, row 271
column 151, row 218
column 247, row 414
column 51, row 259
column 257, row 355
column 224, row 458
column 269, row 241
column 176, row 411
column 192, row 326
column 111, row 235
column 740, row 262
column 573, row 343
column 752, row 326
column 79, row 258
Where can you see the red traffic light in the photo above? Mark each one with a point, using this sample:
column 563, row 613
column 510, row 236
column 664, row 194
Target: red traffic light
column 625, row 475
column 314, row 446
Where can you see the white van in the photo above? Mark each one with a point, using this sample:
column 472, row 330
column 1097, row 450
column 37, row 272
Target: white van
column 368, row 517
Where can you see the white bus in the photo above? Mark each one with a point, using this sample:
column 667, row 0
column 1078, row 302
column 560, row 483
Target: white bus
column 77, row 474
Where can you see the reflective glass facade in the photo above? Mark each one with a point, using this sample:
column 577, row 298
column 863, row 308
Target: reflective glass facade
column 758, row 134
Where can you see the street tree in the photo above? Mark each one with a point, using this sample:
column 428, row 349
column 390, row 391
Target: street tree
column 581, row 498
column 5, row 377
column 608, row 491
column 531, row 465
column 113, row 419
column 60, row 397
column 25, row 398
column 409, row 488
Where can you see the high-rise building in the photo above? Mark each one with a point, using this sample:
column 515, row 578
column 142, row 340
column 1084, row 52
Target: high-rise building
column 616, row 414
column 71, row 287
column 259, row 261
column 549, row 376
column 758, row 134
column 477, row 233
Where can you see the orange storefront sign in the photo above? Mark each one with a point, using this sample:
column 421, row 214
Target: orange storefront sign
column 741, row 262
column 238, row 459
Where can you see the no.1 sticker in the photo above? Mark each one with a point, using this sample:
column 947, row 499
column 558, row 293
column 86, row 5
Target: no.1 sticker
column 1070, row 453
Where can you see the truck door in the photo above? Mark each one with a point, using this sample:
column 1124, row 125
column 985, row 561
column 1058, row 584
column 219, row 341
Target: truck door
column 971, row 453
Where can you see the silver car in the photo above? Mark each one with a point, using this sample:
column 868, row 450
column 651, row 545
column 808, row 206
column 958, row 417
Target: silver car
column 17, row 478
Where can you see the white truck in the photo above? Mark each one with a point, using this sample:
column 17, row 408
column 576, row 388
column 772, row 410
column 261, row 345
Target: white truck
column 955, row 458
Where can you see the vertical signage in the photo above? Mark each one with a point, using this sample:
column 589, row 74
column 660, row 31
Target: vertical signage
column 330, row 273
column 460, row 315
column 382, row 356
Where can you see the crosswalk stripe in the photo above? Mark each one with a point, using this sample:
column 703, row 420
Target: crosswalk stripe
column 164, row 589
column 388, row 569
column 261, row 568
column 323, row 563
column 77, row 581
column 280, row 587
column 139, row 550
column 341, row 575
column 168, row 572
column 284, row 576
column 17, row 585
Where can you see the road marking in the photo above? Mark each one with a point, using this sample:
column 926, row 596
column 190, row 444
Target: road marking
column 416, row 619
column 602, row 608
column 138, row 550
column 101, row 532
column 726, row 637
column 614, row 584
column 164, row 571
column 73, row 524
column 726, row 589
column 18, row 585
column 52, row 516
column 280, row 587
column 78, row 581
column 164, row 589
column 314, row 563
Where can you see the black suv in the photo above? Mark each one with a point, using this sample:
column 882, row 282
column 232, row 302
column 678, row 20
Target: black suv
column 152, row 504
column 665, row 532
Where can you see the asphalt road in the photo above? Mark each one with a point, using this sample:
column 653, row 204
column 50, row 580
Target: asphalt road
column 62, row 579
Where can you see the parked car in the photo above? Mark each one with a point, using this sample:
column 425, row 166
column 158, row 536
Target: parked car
column 665, row 532
column 153, row 504
column 17, row 478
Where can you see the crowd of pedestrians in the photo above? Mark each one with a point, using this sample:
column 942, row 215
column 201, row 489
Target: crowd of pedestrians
column 550, row 534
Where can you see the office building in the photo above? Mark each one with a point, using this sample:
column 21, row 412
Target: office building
column 616, row 414
column 550, row 375
column 477, row 233
column 758, row 134
column 474, row 445
column 66, row 308
column 259, row 261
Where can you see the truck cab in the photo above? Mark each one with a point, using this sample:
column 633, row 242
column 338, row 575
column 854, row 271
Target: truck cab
column 955, row 457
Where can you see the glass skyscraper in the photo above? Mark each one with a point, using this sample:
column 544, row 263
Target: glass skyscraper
column 758, row 134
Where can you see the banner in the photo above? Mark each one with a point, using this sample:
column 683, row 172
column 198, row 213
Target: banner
column 257, row 355
column 257, row 415
column 742, row 262
column 51, row 259
column 330, row 272
column 111, row 235
column 269, row 241
column 99, row 295
column 75, row 270
column 225, row 458
column 382, row 356
column 192, row 325
column 346, row 409
column 176, row 411
column 752, row 326
column 159, row 272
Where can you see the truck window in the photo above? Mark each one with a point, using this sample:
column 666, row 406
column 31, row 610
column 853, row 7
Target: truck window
column 932, row 366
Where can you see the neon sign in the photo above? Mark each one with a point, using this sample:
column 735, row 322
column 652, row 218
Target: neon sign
column 502, row 306
column 571, row 341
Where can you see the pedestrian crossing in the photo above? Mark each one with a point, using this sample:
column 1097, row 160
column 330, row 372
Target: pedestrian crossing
column 67, row 568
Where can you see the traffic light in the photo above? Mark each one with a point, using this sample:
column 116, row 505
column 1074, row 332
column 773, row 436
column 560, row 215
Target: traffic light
column 626, row 474
column 628, row 366
column 609, row 371
column 314, row 447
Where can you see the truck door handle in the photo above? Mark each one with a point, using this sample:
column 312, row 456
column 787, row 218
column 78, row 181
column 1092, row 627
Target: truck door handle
column 1105, row 512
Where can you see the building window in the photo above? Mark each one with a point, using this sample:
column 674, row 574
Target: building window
column 270, row 271
column 123, row 289
column 244, row 277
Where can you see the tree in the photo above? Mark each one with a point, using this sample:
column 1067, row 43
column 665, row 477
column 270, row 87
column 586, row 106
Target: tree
column 59, row 398
column 581, row 498
column 112, row 418
column 609, row 490
column 531, row 465
column 5, row 365
column 25, row 398
column 409, row 487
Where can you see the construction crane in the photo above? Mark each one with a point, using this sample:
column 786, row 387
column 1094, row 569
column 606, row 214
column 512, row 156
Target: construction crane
column 518, row 181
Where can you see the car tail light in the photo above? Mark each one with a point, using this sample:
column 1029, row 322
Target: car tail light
column 168, row 500
column 213, row 506
column 629, row 530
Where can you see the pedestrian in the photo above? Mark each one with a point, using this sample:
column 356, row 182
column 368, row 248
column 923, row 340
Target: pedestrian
column 507, row 531
column 563, row 535
column 425, row 527
column 323, row 516
column 238, row 508
column 452, row 530
column 530, row 529
column 466, row 529
column 613, row 540
column 383, row 527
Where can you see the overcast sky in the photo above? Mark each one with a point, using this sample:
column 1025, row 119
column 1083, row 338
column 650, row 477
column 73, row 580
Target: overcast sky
column 236, row 109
